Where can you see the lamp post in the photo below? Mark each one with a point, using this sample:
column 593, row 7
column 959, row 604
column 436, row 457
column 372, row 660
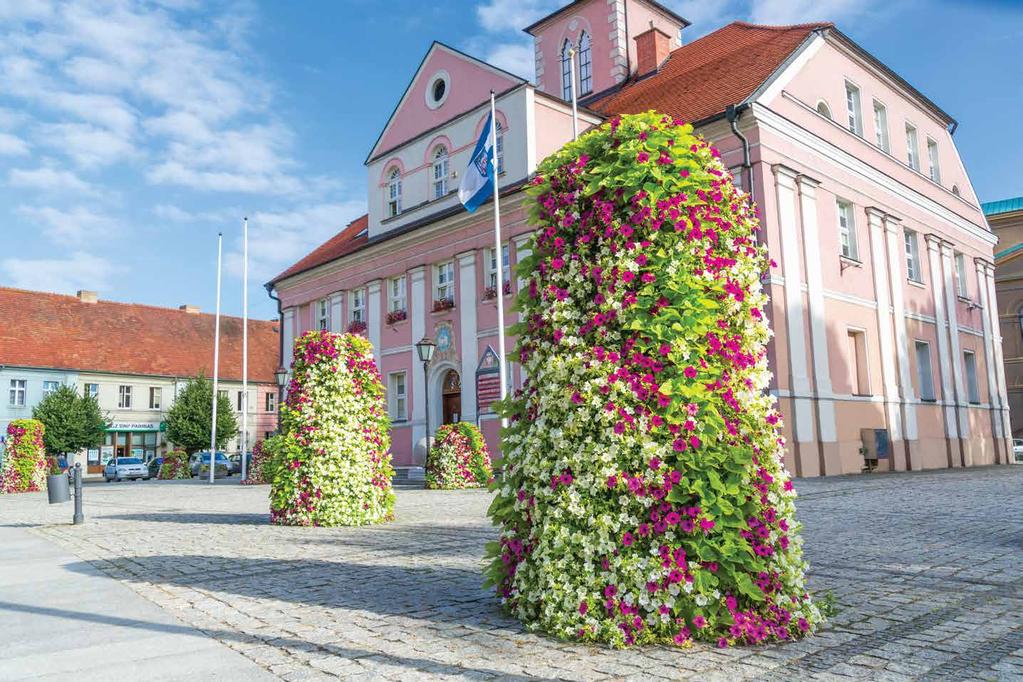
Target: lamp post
column 425, row 349
column 281, row 375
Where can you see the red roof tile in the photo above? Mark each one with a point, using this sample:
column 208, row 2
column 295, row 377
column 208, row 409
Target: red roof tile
column 61, row 332
column 702, row 78
column 345, row 241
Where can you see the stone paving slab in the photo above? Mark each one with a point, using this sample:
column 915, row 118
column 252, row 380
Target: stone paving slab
column 926, row 570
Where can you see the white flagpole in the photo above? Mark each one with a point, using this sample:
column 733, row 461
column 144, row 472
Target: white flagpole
column 575, row 102
column 216, row 363
column 245, row 346
column 499, row 250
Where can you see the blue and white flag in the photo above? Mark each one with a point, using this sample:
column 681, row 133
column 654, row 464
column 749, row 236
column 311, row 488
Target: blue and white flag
column 478, row 181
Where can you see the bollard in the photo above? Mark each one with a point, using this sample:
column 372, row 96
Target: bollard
column 79, row 518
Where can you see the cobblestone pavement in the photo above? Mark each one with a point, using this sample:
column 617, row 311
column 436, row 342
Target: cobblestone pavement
column 926, row 569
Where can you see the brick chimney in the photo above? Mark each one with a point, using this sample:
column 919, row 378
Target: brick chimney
column 652, row 47
column 87, row 296
column 191, row 309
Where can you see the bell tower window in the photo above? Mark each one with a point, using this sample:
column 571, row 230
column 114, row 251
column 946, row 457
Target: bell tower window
column 440, row 172
column 585, row 65
column 566, row 71
column 394, row 193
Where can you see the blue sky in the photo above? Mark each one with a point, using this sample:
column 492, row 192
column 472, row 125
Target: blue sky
column 132, row 132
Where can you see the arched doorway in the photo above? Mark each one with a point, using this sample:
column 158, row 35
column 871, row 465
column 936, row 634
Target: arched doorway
column 451, row 398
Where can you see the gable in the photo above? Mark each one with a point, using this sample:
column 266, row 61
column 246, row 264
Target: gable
column 467, row 82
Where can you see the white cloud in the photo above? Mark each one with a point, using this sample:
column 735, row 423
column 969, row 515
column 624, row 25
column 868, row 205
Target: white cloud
column 514, row 15
column 80, row 270
column 89, row 146
column 518, row 58
column 47, row 178
column 12, row 145
column 78, row 225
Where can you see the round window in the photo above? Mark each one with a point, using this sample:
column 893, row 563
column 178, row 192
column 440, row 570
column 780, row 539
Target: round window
column 439, row 88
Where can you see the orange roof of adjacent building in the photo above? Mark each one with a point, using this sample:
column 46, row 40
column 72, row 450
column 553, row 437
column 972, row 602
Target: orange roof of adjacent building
column 700, row 79
column 63, row 332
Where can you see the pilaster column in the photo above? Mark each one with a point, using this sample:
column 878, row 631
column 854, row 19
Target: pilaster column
column 1003, row 430
column 961, row 404
column 885, row 331
column 954, row 449
column 467, row 301
column 337, row 317
column 417, row 321
column 994, row 402
column 799, row 378
column 810, row 238
column 288, row 331
column 902, row 351
column 374, row 318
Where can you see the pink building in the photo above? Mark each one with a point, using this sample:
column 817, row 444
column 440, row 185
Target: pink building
column 886, row 341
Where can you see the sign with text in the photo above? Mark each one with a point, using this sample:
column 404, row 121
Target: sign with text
column 488, row 380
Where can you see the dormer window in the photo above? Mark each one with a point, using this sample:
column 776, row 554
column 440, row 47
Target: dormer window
column 566, row 71
column 440, row 172
column 585, row 65
column 394, row 192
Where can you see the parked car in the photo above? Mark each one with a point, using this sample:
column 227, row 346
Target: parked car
column 125, row 467
column 200, row 459
column 1017, row 449
column 154, row 467
column 236, row 463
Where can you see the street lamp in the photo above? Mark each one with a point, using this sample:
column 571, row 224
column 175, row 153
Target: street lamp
column 281, row 375
column 425, row 348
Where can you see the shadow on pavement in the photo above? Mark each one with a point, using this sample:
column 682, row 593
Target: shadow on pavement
column 193, row 517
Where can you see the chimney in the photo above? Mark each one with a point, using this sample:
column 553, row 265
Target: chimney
column 191, row 309
column 652, row 47
column 87, row 296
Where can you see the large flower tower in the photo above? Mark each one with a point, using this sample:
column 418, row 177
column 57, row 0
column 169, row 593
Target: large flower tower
column 331, row 465
column 644, row 497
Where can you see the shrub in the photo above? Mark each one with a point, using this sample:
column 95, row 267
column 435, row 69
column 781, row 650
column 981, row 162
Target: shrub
column 257, row 472
column 458, row 458
column 24, row 465
column 175, row 466
column 644, row 497
column 331, row 465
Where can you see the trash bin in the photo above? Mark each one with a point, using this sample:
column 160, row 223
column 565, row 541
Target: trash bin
column 57, row 488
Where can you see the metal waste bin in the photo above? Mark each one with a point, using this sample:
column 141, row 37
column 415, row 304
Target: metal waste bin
column 58, row 488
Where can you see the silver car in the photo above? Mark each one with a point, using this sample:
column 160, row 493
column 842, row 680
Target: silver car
column 125, row 467
column 1017, row 449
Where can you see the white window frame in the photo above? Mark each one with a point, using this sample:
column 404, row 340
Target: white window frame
column 924, row 371
column 962, row 286
column 499, row 148
column 92, row 392
column 357, row 305
column 881, row 136
column 912, row 147
column 846, row 220
column 124, row 397
column 155, row 392
column 396, row 294
column 854, row 108
column 19, row 392
column 323, row 314
column 912, row 245
column 270, row 402
column 444, row 281
column 50, row 387
column 566, row 71
column 972, row 382
column 440, row 171
column 491, row 264
column 933, row 161
column 397, row 401
column 585, row 64
column 394, row 193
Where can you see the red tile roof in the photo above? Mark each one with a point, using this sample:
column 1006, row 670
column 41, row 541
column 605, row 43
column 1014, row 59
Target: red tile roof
column 702, row 78
column 345, row 241
column 61, row 332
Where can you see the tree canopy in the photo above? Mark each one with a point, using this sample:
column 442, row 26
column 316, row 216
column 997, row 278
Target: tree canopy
column 190, row 417
column 72, row 422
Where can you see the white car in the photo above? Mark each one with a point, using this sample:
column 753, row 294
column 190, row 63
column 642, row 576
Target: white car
column 1017, row 449
column 125, row 467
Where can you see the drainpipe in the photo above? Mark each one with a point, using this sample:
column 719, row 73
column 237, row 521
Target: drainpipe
column 280, row 323
column 732, row 113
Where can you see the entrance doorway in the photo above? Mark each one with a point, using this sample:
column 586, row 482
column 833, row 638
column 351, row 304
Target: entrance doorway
column 452, row 397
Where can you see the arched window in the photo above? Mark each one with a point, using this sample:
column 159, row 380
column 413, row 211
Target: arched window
column 585, row 65
column 499, row 148
column 440, row 172
column 394, row 192
column 566, row 71
column 823, row 109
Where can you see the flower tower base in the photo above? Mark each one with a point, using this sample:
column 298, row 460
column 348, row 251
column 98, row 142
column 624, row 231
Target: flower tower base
column 458, row 458
column 24, row 459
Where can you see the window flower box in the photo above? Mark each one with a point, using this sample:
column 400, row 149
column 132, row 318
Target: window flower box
column 396, row 316
column 356, row 327
column 442, row 304
column 490, row 293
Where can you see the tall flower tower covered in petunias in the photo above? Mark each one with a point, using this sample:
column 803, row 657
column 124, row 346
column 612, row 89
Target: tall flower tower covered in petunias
column 330, row 466
column 24, row 460
column 644, row 497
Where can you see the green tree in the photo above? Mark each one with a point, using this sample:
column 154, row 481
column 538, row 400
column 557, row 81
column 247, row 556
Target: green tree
column 72, row 422
column 189, row 418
